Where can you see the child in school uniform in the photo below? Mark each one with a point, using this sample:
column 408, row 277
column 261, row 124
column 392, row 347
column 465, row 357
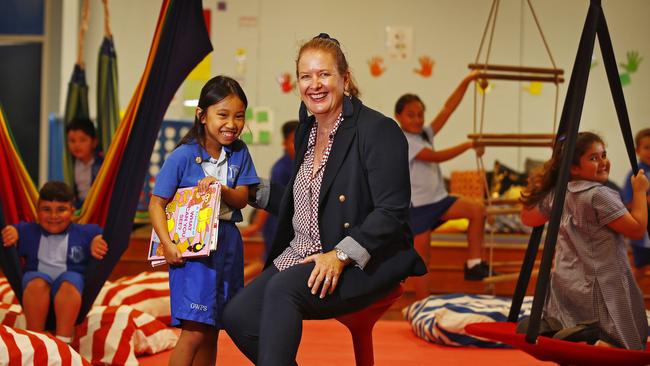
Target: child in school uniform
column 211, row 151
column 431, row 204
column 640, row 248
column 592, row 283
column 56, row 253
column 82, row 142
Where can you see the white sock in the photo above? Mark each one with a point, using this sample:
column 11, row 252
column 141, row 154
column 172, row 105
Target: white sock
column 473, row 262
column 63, row 339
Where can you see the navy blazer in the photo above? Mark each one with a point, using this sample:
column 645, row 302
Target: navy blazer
column 365, row 194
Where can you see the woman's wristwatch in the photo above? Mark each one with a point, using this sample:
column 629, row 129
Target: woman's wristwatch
column 342, row 256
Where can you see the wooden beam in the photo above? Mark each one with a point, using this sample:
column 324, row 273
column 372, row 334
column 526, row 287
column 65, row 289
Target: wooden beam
column 521, row 69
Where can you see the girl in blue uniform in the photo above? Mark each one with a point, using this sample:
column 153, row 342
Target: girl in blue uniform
column 211, row 151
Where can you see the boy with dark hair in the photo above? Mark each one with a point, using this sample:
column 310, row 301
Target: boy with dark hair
column 56, row 253
column 640, row 248
column 82, row 144
column 280, row 173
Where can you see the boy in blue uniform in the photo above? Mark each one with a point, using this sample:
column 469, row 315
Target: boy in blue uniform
column 280, row 173
column 640, row 248
column 56, row 253
column 82, row 144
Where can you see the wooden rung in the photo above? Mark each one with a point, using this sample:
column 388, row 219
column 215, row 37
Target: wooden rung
column 504, row 201
column 512, row 68
column 507, row 277
column 493, row 211
column 521, row 77
column 515, row 143
column 518, row 136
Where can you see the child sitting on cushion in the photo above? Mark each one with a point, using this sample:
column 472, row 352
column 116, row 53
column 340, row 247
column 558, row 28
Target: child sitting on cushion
column 56, row 253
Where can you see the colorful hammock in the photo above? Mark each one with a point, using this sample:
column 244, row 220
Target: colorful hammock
column 180, row 43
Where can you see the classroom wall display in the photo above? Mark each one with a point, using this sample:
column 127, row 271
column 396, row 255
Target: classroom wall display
column 399, row 42
column 171, row 132
column 258, row 127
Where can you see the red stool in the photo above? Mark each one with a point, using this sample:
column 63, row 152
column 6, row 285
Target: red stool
column 361, row 323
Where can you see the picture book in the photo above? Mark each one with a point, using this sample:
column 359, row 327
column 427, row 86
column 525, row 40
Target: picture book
column 192, row 222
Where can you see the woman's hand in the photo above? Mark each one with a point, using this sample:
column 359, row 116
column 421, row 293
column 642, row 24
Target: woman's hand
column 326, row 272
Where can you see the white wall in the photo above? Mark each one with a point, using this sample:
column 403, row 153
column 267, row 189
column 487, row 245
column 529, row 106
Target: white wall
column 447, row 30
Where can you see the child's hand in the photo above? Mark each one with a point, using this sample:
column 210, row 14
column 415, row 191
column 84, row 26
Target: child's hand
column 478, row 147
column 205, row 183
column 639, row 182
column 9, row 236
column 98, row 247
column 172, row 254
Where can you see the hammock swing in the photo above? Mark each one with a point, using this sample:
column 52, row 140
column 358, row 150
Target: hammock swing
column 180, row 42
column 487, row 72
column 544, row 348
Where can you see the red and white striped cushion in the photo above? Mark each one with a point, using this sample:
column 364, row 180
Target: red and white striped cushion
column 22, row 347
column 147, row 292
column 7, row 295
column 12, row 316
column 114, row 335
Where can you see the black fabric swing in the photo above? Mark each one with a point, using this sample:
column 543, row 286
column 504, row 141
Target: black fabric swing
column 183, row 42
column 551, row 350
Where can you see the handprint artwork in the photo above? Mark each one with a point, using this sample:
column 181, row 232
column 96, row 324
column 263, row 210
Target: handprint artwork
column 376, row 68
column 426, row 67
column 286, row 83
column 632, row 65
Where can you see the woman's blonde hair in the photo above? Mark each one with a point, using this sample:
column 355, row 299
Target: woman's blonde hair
column 326, row 43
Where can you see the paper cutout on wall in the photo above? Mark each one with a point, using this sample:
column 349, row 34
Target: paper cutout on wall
column 630, row 67
column 426, row 66
column 240, row 61
column 534, row 88
column 399, row 42
column 259, row 124
column 286, row 83
column 376, row 67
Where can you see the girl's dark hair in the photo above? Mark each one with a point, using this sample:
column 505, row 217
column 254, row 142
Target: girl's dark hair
column 56, row 191
column 542, row 180
column 215, row 90
column 404, row 100
column 326, row 43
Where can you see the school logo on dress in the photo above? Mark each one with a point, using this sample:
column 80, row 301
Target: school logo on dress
column 233, row 172
column 76, row 254
column 198, row 307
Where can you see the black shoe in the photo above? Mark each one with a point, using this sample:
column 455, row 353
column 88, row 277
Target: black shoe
column 588, row 333
column 548, row 326
column 478, row 272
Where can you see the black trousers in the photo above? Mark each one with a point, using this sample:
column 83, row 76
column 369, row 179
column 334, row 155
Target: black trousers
column 265, row 318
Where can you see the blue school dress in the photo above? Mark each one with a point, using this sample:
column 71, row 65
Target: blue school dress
column 200, row 288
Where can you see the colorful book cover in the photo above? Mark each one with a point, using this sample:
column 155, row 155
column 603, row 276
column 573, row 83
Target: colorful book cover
column 192, row 222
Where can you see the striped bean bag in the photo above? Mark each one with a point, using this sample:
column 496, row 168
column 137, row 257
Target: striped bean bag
column 7, row 295
column 147, row 292
column 12, row 316
column 442, row 319
column 115, row 335
column 22, row 347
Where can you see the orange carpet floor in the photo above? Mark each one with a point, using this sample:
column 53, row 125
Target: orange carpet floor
column 327, row 342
